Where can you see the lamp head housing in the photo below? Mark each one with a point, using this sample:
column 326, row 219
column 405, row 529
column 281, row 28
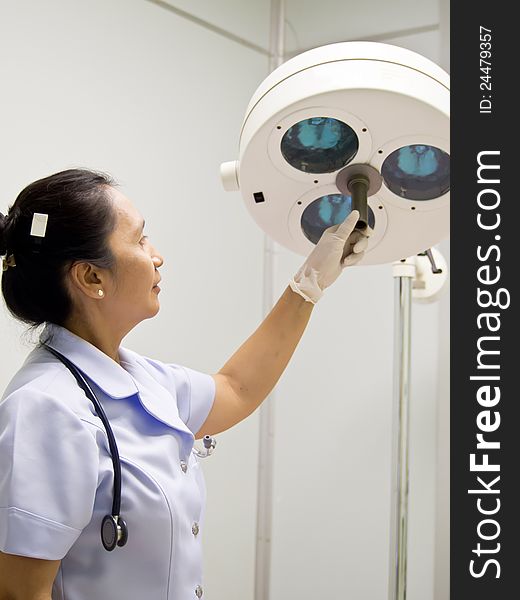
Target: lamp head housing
column 340, row 112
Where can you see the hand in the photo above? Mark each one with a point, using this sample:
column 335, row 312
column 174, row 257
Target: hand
column 339, row 246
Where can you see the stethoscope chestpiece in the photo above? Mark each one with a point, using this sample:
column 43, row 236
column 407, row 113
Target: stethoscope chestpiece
column 113, row 532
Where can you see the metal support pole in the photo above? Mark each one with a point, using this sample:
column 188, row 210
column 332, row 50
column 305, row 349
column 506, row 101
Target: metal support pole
column 404, row 272
column 266, row 433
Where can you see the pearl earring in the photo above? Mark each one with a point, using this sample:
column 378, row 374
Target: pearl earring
column 101, row 293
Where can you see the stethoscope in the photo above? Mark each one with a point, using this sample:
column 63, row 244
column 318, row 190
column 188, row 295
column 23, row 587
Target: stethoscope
column 114, row 530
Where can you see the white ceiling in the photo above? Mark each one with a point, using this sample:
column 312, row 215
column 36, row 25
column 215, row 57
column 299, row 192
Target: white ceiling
column 246, row 19
column 311, row 23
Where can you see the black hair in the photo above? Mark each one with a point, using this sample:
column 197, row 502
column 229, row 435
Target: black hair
column 80, row 219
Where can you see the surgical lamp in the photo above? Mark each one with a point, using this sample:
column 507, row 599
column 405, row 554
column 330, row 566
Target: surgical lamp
column 357, row 126
column 353, row 125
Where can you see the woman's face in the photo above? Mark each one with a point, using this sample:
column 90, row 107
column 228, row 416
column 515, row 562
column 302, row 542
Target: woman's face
column 132, row 293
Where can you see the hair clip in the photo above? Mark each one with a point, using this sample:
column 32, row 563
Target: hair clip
column 8, row 262
column 39, row 224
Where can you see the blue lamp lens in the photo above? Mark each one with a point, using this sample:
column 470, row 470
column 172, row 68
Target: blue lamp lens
column 319, row 145
column 417, row 172
column 327, row 211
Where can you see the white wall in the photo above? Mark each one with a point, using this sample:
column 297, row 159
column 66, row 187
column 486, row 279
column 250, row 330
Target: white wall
column 333, row 423
column 157, row 99
column 442, row 504
column 131, row 88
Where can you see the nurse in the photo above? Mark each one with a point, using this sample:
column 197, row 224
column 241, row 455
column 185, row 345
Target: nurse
column 77, row 262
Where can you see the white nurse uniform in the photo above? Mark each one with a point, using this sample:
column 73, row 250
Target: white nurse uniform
column 56, row 473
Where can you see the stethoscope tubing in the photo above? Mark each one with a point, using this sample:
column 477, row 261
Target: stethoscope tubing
column 114, row 530
column 116, row 503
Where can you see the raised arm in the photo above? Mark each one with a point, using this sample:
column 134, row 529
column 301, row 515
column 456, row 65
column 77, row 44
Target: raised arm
column 254, row 369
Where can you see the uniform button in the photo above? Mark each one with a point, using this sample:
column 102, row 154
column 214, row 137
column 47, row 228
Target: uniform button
column 184, row 466
column 195, row 528
column 198, row 591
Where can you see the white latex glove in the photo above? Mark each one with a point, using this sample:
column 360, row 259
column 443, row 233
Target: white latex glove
column 339, row 246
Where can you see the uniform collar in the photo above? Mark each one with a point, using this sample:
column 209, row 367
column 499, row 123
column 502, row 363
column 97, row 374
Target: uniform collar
column 115, row 381
column 95, row 364
column 156, row 399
